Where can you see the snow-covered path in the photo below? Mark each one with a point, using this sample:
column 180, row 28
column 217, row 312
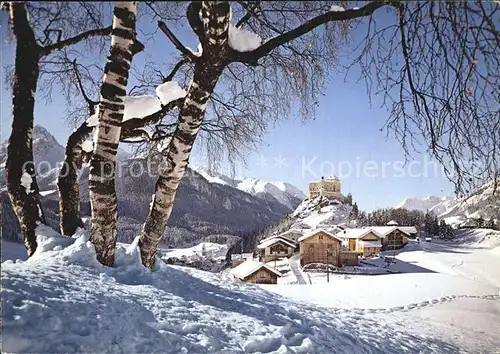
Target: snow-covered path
column 294, row 266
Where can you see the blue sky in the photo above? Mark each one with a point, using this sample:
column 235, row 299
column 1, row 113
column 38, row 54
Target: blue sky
column 346, row 132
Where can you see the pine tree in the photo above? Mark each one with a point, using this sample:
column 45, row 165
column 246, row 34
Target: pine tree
column 348, row 199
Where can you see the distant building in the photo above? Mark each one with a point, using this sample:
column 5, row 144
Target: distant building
column 329, row 187
column 238, row 258
column 274, row 248
column 252, row 271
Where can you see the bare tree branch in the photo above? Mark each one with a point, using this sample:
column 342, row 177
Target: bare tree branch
column 176, row 42
column 253, row 56
column 73, row 40
column 250, row 8
column 91, row 104
column 193, row 16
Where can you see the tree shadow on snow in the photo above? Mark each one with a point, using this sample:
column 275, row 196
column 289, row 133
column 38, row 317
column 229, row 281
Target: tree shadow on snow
column 87, row 309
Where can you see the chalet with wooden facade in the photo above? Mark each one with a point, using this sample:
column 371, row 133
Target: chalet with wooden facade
column 393, row 237
column 252, row 271
column 363, row 240
column 275, row 247
column 321, row 246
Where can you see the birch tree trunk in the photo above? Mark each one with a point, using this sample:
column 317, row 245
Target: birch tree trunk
column 107, row 136
column 67, row 182
column 206, row 73
column 20, row 169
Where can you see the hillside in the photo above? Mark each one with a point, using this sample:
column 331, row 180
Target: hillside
column 201, row 209
column 320, row 212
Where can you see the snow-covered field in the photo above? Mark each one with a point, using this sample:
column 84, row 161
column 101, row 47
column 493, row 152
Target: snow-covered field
column 62, row 300
column 211, row 250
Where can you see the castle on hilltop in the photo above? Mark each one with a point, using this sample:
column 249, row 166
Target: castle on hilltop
column 328, row 187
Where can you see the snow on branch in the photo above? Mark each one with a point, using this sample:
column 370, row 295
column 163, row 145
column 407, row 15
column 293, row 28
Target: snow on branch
column 251, row 57
column 169, row 92
column 243, row 40
column 145, row 106
column 336, row 8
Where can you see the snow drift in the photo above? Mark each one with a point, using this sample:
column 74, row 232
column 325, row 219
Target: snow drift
column 62, row 300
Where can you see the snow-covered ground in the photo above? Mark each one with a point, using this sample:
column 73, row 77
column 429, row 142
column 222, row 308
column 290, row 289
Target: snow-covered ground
column 62, row 300
column 282, row 265
column 450, row 288
column 213, row 251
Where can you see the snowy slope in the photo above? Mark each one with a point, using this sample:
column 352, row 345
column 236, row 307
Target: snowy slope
column 457, row 210
column 212, row 250
column 320, row 212
column 282, row 192
column 425, row 204
column 62, row 300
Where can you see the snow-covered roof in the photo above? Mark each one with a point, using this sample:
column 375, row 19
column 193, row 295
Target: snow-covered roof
column 292, row 231
column 408, row 229
column 237, row 256
column 386, row 230
column 370, row 243
column 358, row 233
column 392, row 223
column 249, row 267
column 278, row 236
column 312, row 233
column 274, row 240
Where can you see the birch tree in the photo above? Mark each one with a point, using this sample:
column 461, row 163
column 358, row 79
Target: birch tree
column 107, row 136
column 301, row 38
column 21, row 179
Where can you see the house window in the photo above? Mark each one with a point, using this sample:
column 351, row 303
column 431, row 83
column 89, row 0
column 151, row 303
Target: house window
column 320, row 237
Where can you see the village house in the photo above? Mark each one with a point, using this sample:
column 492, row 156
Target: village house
column 238, row 258
column 275, row 247
column 393, row 237
column 252, row 271
column 329, row 187
column 320, row 246
column 366, row 241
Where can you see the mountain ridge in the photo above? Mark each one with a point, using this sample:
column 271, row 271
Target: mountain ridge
column 482, row 203
column 202, row 209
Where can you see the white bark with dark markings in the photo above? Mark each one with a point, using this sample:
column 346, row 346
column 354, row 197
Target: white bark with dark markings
column 107, row 136
column 176, row 157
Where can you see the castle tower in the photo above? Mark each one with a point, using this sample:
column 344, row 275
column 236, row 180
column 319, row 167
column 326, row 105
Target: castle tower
column 329, row 187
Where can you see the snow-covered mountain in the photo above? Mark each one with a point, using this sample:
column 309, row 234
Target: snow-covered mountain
column 203, row 209
column 47, row 152
column 424, row 204
column 282, row 192
column 457, row 210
